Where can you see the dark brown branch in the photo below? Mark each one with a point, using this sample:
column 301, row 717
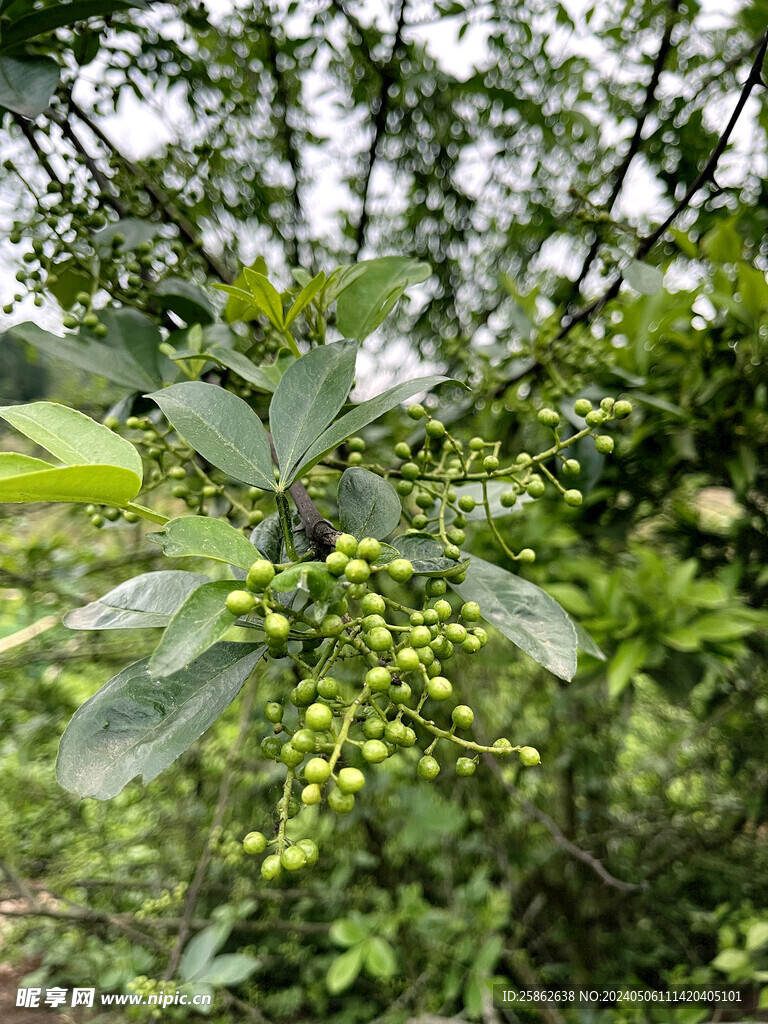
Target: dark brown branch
column 105, row 185
column 637, row 137
column 42, row 157
column 196, row 884
column 705, row 175
column 565, row 844
column 320, row 533
column 379, row 124
column 169, row 212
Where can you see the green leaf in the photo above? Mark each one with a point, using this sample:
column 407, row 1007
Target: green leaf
column 426, row 555
column 305, row 296
column 27, row 84
column 732, row 961
column 344, row 970
column 314, row 579
column 524, row 613
column 121, row 367
column 345, row 931
column 71, row 436
column 145, row 601
column 264, row 378
column 309, row 395
column 201, row 949
column 12, row 464
column 363, row 414
column 757, row 936
column 380, row 959
column 99, row 485
column 267, row 537
column 630, row 656
column 198, row 624
column 644, row 278
column 265, row 296
column 222, row 428
column 585, row 643
column 185, row 299
column 240, row 305
column 59, row 15
column 364, row 302
column 368, row 505
column 138, row 724
column 229, row 969
column 67, row 279
column 205, row 538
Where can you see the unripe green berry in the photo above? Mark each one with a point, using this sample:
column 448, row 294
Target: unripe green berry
column 481, row 635
column 293, row 858
column 175, row 472
column 260, row 575
column 470, row 611
column 400, row 693
column 356, row 444
column 378, row 679
column 372, row 621
column 508, row 498
column 572, row 497
column 582, row 406
column 431, row 618
column 273, row 712
column 455, row 632
column 416, row 411
column 336, row 562
column 354, row 459
column 400, row 570
column 526, row 555
column 369, row 549
column 604, row 444
column 410, row 471
column 467, row 503
column 270, row 867
column 465, row 767
column 435, row 587
column 407, row 660
column 304, row 693
column 310, row 849
column 419, row 636
column 304, row 740
column 317, row 770
column 536, row 487
column 271, row 747
column 402, row 450
column 420, row 521
column 255, row 843
column 240, row 602
column 332, row 625
column 453, row 552
column 476, row 444
column 456, row 536
column 373, row 728
column 529, row 756
column 490, row 463
column 341, row 803
column 374, row 751
column 379, row 639
column 572, row 467
column 502, row 747
column 318, row 717
column 311, row 795
column 404, row 487
column 350, row 780
column 395, row 732
column 435, row 428
column 428, row 768
column 470, row 645
column 290, row 756
column 328, row 687
column 439, row 688
column 276, row 626
column 443, row 610
column 357, row 571
column 622, row 409
column 548, row 417
column 463, row 716
column 357, row 591
column 594, row 418
column 347, row 545
column 373, row 604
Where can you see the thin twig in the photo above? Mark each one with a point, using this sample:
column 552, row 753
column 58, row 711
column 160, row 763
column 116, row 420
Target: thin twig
column 532, row 811
column 36, row 148
column 705, row 175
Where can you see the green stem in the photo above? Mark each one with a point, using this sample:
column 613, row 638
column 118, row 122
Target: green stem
column 359, row 699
